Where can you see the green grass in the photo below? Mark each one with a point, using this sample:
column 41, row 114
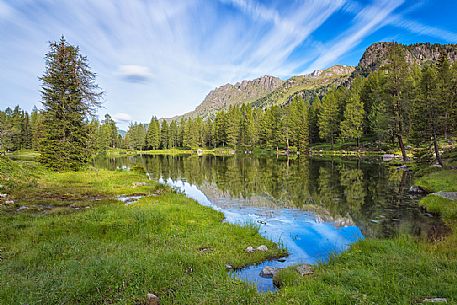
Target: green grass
column 443, row 180
column 111, row 253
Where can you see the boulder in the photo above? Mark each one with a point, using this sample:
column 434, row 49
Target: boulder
column 249, row 249
column 417, row 190
column 152, row 299
column 268, row 272
column 262, row 248
column 305, row 269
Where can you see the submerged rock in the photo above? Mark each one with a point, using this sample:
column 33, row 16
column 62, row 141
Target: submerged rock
column 268, row 272
column 152, row 299
column 305, row 269
column 249, row 249
column 262, row 248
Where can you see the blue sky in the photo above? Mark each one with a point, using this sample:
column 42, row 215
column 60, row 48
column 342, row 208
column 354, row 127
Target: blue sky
column 162, row 57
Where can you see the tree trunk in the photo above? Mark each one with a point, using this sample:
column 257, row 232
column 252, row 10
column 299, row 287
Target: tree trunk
column 332, row 142
column 358, row 143
column 402, row 147
column 435, row 146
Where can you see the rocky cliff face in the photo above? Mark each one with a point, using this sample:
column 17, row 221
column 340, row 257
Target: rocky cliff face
column 306, row 86
column 376, row 55
column 227, row 95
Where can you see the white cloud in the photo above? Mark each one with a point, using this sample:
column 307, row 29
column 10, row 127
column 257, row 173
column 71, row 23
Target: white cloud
column 422, row 29
column 135, row 73
column 122, row 117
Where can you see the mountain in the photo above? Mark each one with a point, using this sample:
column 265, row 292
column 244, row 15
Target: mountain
column 307, row 86
column 266, row 91
column 376, row 55
column 242, row 92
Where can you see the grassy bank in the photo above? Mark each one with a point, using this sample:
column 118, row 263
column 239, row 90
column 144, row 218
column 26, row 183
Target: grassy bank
column 67, row 240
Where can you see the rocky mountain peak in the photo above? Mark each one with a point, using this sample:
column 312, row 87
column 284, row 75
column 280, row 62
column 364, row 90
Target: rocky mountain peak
column 376, row 55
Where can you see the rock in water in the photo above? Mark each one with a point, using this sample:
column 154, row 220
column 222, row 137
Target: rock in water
column 268, row 272
column 305, row 269
column 249, row 249
column 153, row 299
column 417, row 190
column 262, row 248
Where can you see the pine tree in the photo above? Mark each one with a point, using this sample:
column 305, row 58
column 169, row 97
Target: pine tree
column 429, row 111
column 69, row 96
column 396, row 88
column 329, row 117
column 36, row 120
column 354, row 114
column 314, row 120
column 445, row 91
column 164, row 135
column 153, row 134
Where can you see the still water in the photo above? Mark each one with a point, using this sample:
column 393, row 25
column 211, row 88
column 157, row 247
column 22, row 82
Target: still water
column 313, row 207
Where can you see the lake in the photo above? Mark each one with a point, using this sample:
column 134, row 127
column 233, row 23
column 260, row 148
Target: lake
column 314, row 207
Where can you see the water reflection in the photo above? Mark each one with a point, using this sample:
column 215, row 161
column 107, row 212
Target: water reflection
column 314, row 207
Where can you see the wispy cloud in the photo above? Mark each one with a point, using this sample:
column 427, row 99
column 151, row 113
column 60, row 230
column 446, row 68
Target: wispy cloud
column 368, row 20
column 422, row 29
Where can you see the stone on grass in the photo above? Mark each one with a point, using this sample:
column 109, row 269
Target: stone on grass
column 152, row 299
column 305, row 269
column 3, row 195
column 262, row 248
column 9, row 202
column 138, row 184
column 249, row 249
column 228, row 267
column 268, row 272
column 434, row 300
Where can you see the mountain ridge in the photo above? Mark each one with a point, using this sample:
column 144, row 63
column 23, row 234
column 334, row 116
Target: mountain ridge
column 267, row 90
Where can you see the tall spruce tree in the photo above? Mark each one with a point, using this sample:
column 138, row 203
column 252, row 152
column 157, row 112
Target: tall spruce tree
column 69, row 96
